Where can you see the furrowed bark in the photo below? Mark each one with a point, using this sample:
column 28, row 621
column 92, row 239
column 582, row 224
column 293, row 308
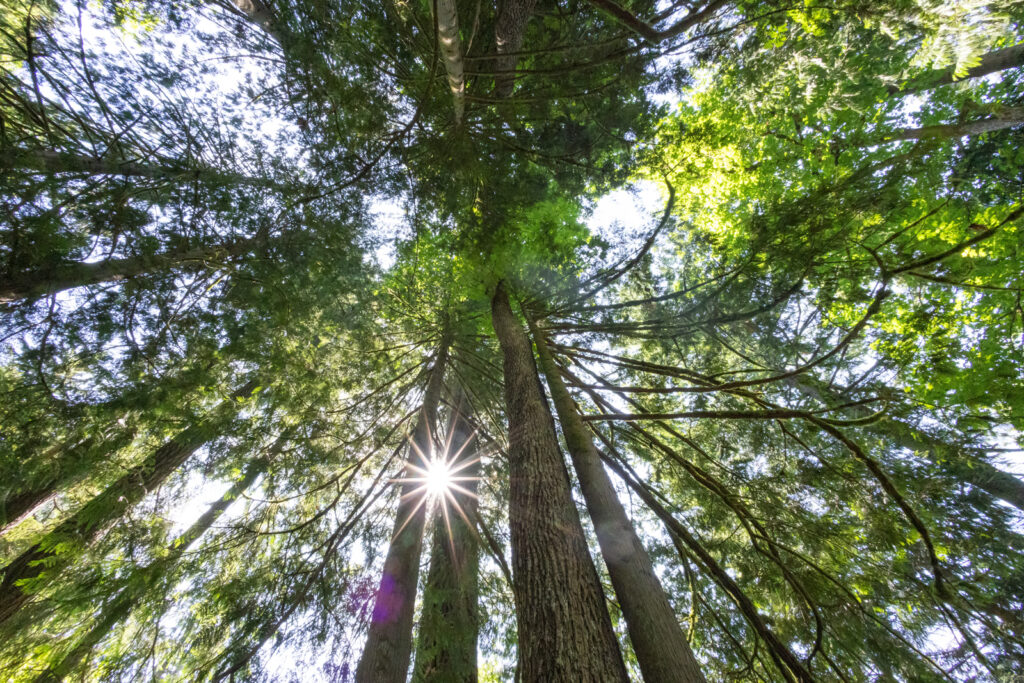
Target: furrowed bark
column 389, row 642
column 96, row 516
column 446, row 649
column 451, row 51
column 123, row 604
column 978, row 473
column 43, row 282
column 565, row 633
column 660, row 645
column 509, row 30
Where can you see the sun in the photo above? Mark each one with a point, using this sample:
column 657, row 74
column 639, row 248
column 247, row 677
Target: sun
column 437, row 477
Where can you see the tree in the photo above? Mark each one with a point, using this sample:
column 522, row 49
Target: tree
column 791, row 397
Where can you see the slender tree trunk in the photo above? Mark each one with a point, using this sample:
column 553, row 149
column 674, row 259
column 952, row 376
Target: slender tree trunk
column 509, row 30
column 389, row 642
column 660, row 645
column 998, row 60
column 789, row 665
column 446, row 649
column 50, row 161
column 47, row 558
column 125, row 601
column 46, row 281
column 565, row 633
column 451, row 49
column 950, row 457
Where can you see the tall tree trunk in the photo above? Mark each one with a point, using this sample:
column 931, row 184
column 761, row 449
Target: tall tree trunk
column 565, row 633
column 660, row 646
column 122, row 605
column 446, row 649
column 950, row 457
column 48, row 557
column 451, row 49
column 509, row 29
column 389, row 642
column 46, row 281
column 51, row 161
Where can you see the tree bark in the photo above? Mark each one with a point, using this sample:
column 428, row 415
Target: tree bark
column 565, row 633
column 998, row 60
column 446, row 649
column 389, row 641
column 47, row 558
column 46, row 281
column 125, row 601
column 660, row 645
column 451, row 49
column 509, row 30
column 950, row 457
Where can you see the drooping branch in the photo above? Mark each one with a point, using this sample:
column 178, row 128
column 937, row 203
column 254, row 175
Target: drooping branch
column 648, row 32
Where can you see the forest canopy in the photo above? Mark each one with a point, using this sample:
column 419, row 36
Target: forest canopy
column 533, row 340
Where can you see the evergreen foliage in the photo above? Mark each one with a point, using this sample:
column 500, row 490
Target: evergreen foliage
column 286, row 285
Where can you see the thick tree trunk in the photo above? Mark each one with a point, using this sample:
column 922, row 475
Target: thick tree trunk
column 451, row 49
column 950, row 457
column 509, row 30
column 660, row 646
column 389, row 642
column 123, row 604
column 446, row 649
column 565, row 633
column 46, row 281
column 98, row 514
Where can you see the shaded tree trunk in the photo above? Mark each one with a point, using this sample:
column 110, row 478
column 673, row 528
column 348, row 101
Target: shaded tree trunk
column 446, row 649
column 660, row 645
column 565, row 633
column 389, row 641
column 950, row 457
column 46, row 281
column 122, row 605
column 509, row 30
column 48, row 557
